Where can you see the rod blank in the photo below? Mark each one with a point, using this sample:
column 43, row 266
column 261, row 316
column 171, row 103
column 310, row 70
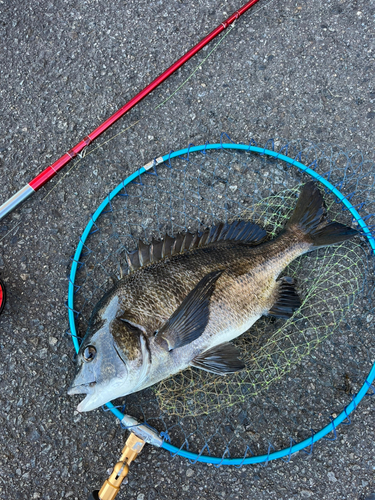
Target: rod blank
column 47, row 174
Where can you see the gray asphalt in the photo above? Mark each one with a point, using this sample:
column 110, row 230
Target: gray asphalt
column 292, row 69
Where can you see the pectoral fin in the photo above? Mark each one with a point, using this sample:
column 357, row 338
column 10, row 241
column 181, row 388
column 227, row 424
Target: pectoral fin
column 288, row 300
column 190, row 319
column 221, row 359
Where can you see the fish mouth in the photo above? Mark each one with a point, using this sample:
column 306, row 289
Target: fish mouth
column 94, row 399
column 82, row 388
column 88, row 403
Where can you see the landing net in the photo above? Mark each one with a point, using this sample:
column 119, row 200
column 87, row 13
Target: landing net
column 300, row 373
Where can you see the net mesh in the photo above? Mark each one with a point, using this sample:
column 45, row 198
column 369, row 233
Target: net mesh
column 298, row 371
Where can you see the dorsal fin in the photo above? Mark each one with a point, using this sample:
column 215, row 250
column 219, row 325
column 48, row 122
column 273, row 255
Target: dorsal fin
column 144, row 253
column 238, row 230
column 156, row 250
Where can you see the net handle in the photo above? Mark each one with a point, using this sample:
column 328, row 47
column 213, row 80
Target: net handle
column 334, row 423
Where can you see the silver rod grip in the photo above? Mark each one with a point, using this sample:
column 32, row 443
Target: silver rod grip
column 15, row 200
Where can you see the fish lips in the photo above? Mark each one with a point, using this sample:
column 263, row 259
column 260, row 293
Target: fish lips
column 87, row 388
column 90, row 401
column 97, row 395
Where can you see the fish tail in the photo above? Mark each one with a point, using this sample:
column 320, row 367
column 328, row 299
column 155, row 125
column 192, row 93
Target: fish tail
column 309, row 217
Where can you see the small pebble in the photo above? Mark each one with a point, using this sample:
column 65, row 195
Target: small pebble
column 331, row 477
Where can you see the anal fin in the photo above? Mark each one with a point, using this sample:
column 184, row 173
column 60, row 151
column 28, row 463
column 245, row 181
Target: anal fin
column 221, row 359
column 288, row 300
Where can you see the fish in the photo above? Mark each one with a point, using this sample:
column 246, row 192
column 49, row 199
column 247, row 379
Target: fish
column 187, row 297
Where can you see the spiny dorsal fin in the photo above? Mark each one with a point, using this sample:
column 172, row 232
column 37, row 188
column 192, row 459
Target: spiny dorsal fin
column 156, row 250
column 186, row 242
column 144, row 253
column 167, row 246
column 239, row 230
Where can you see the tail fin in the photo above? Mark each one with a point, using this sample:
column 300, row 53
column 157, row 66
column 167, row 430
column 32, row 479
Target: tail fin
column 309, row 216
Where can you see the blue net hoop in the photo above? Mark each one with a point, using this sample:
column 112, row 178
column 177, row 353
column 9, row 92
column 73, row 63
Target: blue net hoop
column 305, row 445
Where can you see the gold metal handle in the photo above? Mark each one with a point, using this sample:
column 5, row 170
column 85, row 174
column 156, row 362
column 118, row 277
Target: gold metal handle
column 111, row 487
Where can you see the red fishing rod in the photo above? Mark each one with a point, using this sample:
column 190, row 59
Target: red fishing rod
column 52, row 170
column 2, row 296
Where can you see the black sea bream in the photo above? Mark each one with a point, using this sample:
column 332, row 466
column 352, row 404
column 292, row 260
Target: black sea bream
column 187, row 297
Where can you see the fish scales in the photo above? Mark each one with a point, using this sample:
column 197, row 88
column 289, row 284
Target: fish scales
column 185, row 309
column 157, row 290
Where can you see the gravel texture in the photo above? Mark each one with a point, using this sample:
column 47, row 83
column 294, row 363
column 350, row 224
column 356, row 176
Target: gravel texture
column 293, row 69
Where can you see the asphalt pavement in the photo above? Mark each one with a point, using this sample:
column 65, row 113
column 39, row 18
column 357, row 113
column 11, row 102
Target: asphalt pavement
column 290, row 69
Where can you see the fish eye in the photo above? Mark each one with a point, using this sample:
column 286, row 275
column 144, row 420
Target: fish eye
column 89, row 353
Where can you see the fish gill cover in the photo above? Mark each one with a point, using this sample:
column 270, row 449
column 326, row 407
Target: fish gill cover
column 298, row 371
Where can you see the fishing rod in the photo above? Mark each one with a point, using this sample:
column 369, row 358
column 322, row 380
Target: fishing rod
column 47, row 174
column 2, row 296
